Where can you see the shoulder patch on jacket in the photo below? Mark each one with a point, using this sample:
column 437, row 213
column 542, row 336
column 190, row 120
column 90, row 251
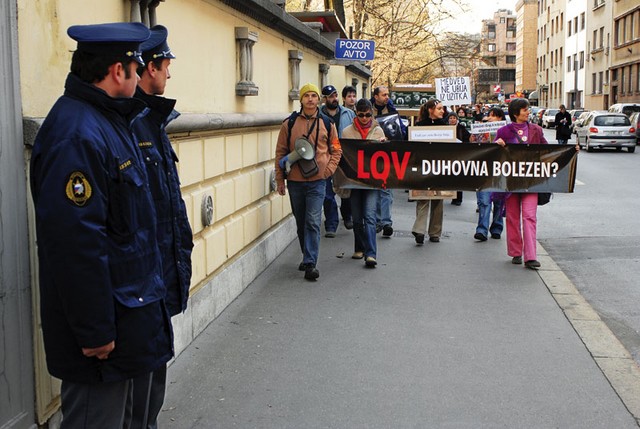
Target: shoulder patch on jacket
column 78, row 189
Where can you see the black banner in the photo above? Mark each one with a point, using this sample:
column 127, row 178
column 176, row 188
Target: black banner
column 456, row 166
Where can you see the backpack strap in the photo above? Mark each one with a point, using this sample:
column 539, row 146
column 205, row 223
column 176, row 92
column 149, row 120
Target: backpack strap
column 327, row 124
column 292, row 120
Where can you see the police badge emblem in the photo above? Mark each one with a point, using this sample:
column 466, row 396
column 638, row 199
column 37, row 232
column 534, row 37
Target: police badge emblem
column 78, row 189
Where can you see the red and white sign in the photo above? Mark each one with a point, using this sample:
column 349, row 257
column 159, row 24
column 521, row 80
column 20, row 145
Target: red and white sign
column 497, row 89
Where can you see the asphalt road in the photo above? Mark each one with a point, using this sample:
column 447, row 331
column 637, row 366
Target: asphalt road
column 594, row 236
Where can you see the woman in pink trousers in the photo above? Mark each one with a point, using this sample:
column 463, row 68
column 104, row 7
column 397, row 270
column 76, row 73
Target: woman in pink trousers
column 521, row 208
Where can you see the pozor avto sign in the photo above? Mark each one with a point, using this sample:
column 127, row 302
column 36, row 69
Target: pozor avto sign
column 355, row 49
column 461, row 166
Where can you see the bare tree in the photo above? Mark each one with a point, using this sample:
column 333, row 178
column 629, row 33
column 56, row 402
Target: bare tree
column 409, row 45
column 408, row 49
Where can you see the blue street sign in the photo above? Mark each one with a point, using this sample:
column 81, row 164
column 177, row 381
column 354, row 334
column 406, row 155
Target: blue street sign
column 355, row 49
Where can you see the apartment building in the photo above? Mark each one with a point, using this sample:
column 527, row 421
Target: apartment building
column 550, row 61
column 625, row 53
column 575, row 45
column 526, row 12
column 599, row 24
column 497, row 74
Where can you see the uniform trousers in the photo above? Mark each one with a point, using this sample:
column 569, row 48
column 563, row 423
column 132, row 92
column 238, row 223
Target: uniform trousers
column 95, row 405
column 521, row 213
column 147, row 396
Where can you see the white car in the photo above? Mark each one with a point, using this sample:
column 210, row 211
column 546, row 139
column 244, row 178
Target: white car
column 549, row 118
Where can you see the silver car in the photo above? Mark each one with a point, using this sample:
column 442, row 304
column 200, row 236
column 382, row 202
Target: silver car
column 603, row 129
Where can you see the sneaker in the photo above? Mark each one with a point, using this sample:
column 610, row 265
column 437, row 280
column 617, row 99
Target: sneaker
column 330, row 234
column 533, row 264
column 456, row 202
column 480, row 237
column 302, row 266
column 387, row 231
column 370, row 262
column 495, row 236
column 348, row 224
column 378, row 228
column 357, row 255
column 311, row 272
column 419, row 237
column 517, row 260
column 434, row 239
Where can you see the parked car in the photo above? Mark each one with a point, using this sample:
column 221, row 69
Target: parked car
column 549, row 118
column 579, row 121
column 537, row 118
column 635, row 123
column 575, row 113
column 533, row 111
column 605, row 129
column 626, row 108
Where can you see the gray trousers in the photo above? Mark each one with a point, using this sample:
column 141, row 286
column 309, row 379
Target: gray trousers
column 94, row 406
column 435, row 221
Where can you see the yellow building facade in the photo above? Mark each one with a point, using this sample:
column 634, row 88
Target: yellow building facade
column 236, row 77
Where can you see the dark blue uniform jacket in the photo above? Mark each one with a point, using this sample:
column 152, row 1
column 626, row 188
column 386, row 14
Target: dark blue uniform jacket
column 99, row 261
column 173, row 231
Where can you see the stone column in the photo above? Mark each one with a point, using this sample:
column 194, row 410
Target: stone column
column 295, row 57
column 144, row 12
column 245, row 39
column 324, row 73
column 153, row 17
column 135, row 11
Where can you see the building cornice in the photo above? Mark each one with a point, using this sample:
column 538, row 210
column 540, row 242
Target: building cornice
column 273, row 16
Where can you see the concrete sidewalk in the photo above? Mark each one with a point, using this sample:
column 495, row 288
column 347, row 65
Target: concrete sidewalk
column 445, row 335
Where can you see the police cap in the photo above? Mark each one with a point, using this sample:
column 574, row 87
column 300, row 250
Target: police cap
column 156, row 46
column 118, row 38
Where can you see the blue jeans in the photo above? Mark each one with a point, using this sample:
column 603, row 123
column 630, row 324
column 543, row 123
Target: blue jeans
column 306, row 203
column 383, row 211
column 363, row 209
column 484, row 215
column 330, row 208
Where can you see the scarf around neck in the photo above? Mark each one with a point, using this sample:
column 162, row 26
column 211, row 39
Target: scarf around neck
column 363, row 129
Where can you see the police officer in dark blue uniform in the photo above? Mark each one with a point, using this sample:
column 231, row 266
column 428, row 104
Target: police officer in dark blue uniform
column 104, row 319
column 173, row 231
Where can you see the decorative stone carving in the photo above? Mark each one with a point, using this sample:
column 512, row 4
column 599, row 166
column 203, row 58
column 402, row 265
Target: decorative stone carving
column 144, row 11
column 245, row 39
column 354, row 82
column 365, row 88
column 295, row 57
column 153, row 18
column 324, row 73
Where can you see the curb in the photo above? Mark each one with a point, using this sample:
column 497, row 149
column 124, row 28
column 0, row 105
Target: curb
column 613, row 359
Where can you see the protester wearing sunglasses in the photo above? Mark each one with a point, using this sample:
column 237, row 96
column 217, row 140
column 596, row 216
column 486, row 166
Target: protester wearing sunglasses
column 364, row 201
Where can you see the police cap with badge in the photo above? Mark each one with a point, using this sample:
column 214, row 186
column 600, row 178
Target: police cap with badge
column 120, row 39
column 156, row 46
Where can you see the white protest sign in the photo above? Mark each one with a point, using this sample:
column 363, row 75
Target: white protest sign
column 442, row 133
column 487, row 127
column 453, row 90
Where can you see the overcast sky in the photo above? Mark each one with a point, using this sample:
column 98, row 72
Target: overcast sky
column 471, row 22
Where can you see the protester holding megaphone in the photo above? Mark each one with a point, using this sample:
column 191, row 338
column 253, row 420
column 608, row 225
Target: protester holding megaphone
column 302, row 150
column 308, row 145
